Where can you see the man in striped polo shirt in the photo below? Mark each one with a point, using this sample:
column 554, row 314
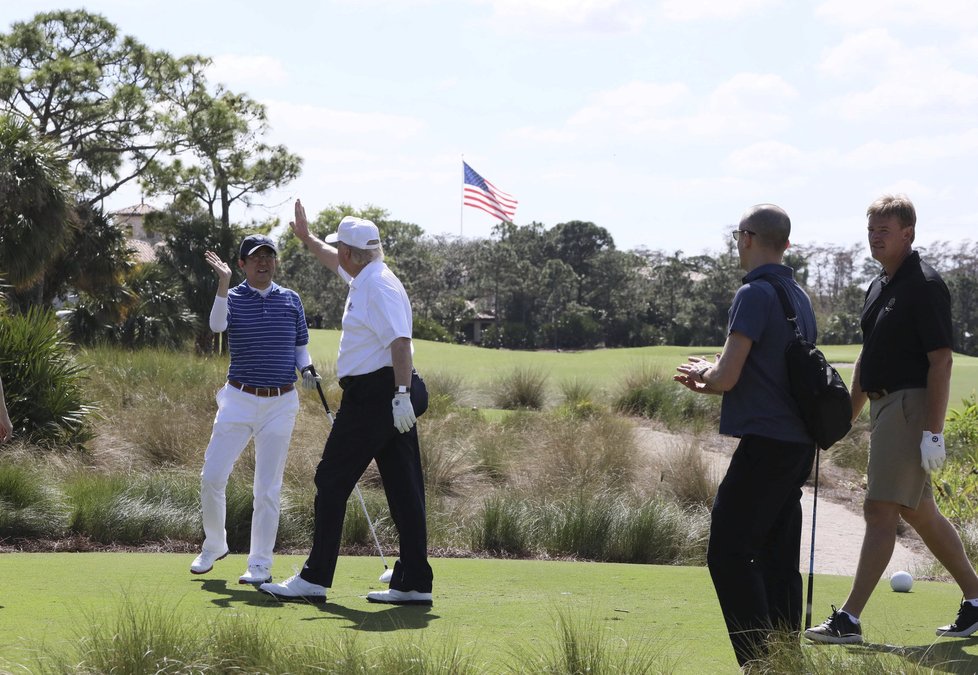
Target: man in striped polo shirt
column 267, row 338
column 381, row 397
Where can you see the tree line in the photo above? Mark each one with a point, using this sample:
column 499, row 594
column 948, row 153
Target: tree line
column 85, row 110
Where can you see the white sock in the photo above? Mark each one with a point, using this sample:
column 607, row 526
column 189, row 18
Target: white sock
column 854, row 619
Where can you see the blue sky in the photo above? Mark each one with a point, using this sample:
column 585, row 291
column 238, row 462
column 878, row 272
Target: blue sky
column 661, row 121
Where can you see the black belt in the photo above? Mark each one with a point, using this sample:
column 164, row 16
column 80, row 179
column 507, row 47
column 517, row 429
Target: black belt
column 262, row 391
column 877, row 394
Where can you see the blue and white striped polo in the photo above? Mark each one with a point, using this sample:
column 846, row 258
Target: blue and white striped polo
column 263, row 333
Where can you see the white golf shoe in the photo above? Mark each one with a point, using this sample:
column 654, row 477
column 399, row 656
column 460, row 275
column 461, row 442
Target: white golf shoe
column 395, row 597
column 204, row 563
column 256, row 574
column 295, row 589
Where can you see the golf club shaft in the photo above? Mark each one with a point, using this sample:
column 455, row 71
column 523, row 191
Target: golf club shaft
column 811, row 559
column 356, row 486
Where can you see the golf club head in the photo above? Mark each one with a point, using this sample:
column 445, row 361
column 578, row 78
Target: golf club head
column 386, row 576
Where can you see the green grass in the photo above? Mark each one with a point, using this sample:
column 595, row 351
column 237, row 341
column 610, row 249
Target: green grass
column 491, row 609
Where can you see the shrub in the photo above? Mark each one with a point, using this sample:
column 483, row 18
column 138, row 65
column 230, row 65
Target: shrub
column 42, row 382
column 429, row 329
column 30, row 506
column 503, row 527
column 522, row 388
column 445, row 392
column 648, row 393
column 961, row 431
column 692, row 481
column 122, row 509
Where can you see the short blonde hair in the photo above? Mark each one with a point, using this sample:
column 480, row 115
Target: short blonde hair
column 899, row 206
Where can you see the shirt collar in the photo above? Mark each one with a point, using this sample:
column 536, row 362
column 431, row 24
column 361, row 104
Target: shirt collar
column 912, row 260
column 768, row 268
column 374, row 267
column 273, row 288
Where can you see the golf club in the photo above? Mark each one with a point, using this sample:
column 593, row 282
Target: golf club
column 388, row 572
column 811, row 560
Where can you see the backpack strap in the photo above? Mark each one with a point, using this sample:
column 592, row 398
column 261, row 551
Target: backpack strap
column 789, row 311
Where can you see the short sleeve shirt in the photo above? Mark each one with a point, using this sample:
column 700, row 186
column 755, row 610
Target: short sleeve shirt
column 377, row 312
column 760, row 403
column 903, row 319
column 263, row 333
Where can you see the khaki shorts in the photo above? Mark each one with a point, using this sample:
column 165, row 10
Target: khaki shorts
column 894, row 473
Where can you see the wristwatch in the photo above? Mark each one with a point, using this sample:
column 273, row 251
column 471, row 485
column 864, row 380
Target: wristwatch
column 403, row 390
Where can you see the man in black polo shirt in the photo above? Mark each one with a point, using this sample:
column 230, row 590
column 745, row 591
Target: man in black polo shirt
column 904, row 369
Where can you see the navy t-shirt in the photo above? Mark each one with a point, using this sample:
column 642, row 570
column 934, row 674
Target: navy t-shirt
column 761, row 404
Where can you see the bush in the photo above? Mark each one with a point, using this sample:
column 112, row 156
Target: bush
column 649, row 393
column 503, row 528
column 429, row 329
column 522, row 388
column 30, row 507
column 42, row 382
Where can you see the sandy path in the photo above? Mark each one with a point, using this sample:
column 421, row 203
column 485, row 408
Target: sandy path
column 839, row 528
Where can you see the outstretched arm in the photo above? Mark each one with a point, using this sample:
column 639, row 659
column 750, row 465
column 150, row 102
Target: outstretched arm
column 326, row 254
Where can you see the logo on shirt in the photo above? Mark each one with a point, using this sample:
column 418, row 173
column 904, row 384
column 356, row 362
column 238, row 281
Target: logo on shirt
column 349, row 306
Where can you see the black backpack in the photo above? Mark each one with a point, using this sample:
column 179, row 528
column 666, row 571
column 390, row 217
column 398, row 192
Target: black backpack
column 822, row 397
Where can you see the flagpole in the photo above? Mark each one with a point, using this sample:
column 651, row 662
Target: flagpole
column 461, row 201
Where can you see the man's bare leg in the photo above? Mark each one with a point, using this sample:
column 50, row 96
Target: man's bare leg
column 877, row 549
column 944, row 542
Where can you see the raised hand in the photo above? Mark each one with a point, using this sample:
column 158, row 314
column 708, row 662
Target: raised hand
column 220, row 267
column 301, row 224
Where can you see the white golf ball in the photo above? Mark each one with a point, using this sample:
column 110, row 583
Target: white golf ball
column 901, row 582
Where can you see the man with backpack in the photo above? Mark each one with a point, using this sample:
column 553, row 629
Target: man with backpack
column 904, row 370
column 755, row 530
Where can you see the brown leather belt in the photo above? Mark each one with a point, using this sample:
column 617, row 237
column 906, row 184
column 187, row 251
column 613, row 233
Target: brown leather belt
column 262, row 391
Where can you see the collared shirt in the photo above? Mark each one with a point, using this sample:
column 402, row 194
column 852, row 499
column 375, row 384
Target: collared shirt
column 903, row 319
column 377, row 312
column 761, row 404
column 263, row 333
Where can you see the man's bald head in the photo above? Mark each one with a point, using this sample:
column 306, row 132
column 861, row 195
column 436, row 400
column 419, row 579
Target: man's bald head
column 770, row 222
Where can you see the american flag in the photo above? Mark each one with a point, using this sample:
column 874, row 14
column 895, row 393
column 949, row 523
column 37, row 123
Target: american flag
column 481, row 194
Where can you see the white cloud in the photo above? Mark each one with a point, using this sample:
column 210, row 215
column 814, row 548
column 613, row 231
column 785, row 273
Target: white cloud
column 560, row 16
column 768, row 157
column 898, row 78
column 293, row 117
column 861, row 53
column 913, row 151
column 716, row 10
column 956, row 14
column 748, row 104
column 236, row 70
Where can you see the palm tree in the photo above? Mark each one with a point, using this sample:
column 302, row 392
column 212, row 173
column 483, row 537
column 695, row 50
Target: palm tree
column 36, row 209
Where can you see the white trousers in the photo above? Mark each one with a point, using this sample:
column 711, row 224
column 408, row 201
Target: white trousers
column 241, row 417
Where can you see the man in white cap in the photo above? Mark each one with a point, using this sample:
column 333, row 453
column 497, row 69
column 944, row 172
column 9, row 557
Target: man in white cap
column 267, row 338
column 376, row 421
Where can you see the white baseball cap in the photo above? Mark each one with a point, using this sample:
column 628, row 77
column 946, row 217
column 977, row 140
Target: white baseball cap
column 356, row 232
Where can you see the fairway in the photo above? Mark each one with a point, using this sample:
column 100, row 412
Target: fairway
column 489, row 608
column 606, row 369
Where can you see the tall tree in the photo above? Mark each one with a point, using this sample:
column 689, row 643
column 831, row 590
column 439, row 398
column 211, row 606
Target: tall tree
column 220, row 155
column 36, row 216
column 91, row 91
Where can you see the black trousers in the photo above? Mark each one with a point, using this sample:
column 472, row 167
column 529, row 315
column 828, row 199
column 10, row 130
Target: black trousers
column 363, row 431
column 755, row 542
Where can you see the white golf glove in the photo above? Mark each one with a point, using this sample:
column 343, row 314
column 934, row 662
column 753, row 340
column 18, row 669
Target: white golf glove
column 932, row 453
column 310, row 378
column 404, row 417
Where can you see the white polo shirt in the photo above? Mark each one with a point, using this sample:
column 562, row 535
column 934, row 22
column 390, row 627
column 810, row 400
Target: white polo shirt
column 377, row 312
